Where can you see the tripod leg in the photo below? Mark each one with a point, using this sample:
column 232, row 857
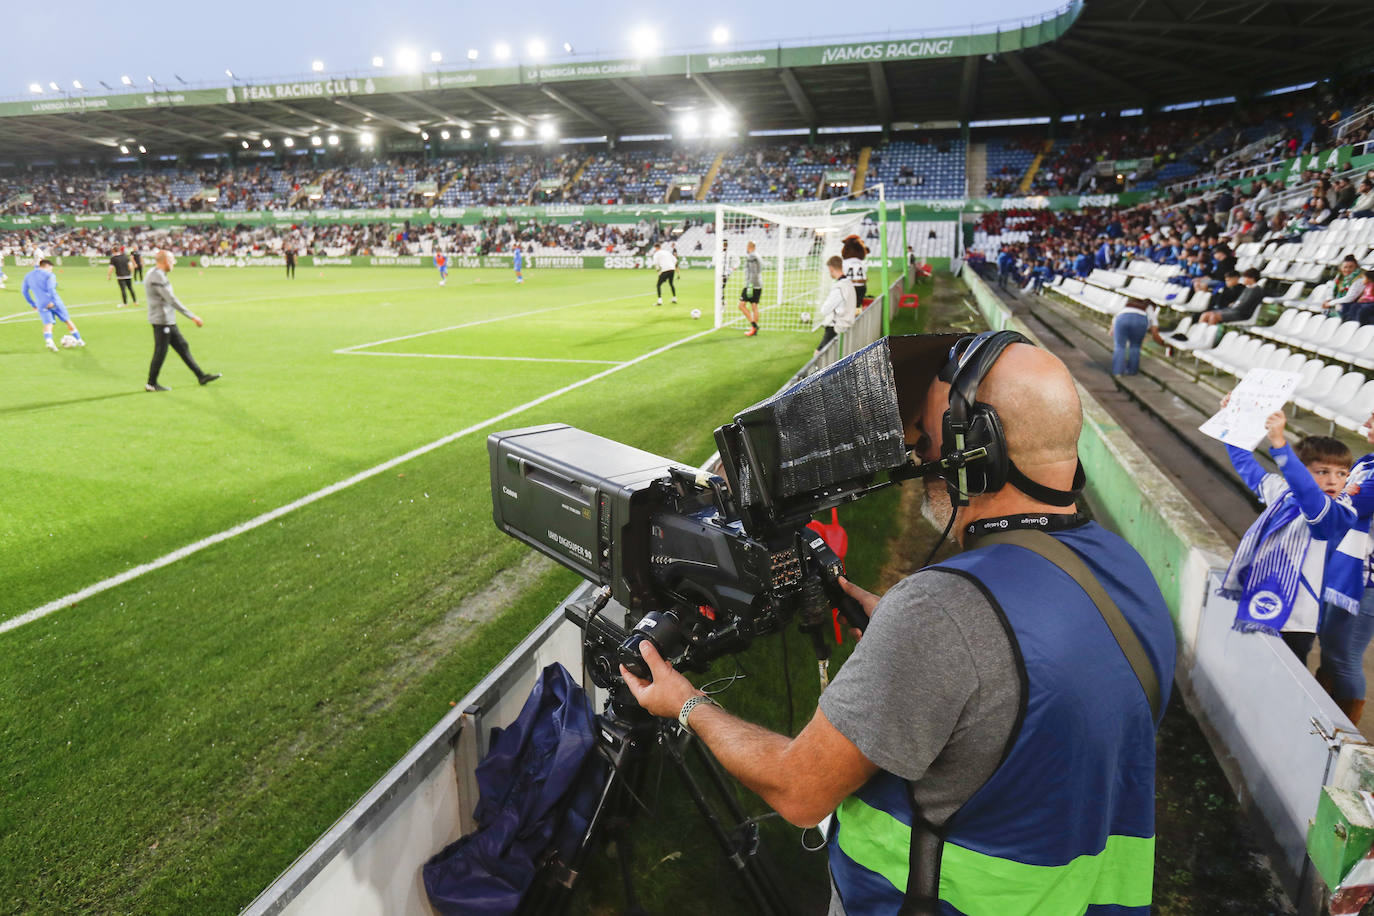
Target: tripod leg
column 741, row 850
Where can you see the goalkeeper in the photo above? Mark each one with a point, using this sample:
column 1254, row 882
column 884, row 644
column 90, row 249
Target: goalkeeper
column 752, row 290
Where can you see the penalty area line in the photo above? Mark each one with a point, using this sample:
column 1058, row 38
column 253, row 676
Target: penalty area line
column 502, row 359
column 128, row 575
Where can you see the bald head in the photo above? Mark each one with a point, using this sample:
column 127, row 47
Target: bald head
column 165, row 259
column 1036, row 400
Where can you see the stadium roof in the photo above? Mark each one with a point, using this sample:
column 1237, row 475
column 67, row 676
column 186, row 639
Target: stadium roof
column 1098, row 55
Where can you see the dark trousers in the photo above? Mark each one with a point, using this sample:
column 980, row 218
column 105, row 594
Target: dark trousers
column 291, row 265
column 138, row 272
column 668, row 276
column 828, row 336
column 126, row 290
column 1300, row 643
column 165, row 335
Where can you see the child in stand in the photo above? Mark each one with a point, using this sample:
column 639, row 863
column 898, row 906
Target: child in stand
column 1277, row 575
column 1347, row 623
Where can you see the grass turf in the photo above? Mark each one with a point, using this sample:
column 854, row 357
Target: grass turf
column 171, row 744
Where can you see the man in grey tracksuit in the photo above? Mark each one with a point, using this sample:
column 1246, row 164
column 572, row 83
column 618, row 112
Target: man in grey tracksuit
column 163, row 306
column 752, row 290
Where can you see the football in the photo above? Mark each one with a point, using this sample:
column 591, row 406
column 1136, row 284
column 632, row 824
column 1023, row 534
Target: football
column 696, row 313
column 805, row 317
column 69, row 341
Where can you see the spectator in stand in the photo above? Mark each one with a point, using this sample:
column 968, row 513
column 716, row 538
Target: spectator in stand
column 1006, row 262
column 1363, row 205
column 1363, row 310
column 1129, row 328
column 1246, row 304
column 1347, row 289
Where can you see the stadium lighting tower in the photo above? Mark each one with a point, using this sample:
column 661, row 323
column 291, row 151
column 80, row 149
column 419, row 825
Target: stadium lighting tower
column 125, row 80
column 408, row 59
column 536, row 49
column 473, row 53
column 720, row 35
column 466, row 134
column 518, row 132
column 317, row 66
column 501, row 51
column 378, row 62
column 494, row 133
column 644, row 41
column 547, row 130
column 443, row 135
column 435, row 57
column 34, row 87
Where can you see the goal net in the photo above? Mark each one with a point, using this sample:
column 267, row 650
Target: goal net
column 793, row 241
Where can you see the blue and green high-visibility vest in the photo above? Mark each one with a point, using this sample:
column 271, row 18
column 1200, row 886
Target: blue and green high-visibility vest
column 1065, row 825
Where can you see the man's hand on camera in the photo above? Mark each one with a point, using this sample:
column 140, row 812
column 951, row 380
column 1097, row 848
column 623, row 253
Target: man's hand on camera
column 867, row 600
column 665, row 694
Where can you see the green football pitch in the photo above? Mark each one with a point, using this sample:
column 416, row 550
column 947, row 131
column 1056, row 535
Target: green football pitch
column 170, row 743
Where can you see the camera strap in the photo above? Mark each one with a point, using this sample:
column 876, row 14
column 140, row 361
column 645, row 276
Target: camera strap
column 1037, row 521
column 1063, row 556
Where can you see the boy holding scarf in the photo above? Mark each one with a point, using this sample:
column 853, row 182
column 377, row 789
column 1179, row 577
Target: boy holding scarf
column 1348, row 616
column 1278, row 572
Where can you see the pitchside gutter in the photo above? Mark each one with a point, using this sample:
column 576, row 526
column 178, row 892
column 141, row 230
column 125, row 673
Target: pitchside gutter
column 1274, row 731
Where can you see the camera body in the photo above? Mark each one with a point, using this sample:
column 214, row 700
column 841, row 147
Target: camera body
column 665, row 540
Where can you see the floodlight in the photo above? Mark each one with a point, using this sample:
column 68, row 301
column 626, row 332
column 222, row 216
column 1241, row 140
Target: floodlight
column 377, row 61
column 124, row 150
column 366, row 138
column 53, row 87
column 502, row 50
column 644, row 41
column 472, row 53
column 547, row 130
column 245, row 144
column 567, row 47
column 229, row 73
column 288, row 142
column 76, row 84
column 408, row 59
column 518, row 132
column 435, row 57
column 316, row 140
column 125, row 80
column 317, row 66
column 424, row 135
column 494, row 133
column 333, row 139
column 720, row 122
column 141, row 148
column 689, row 125
column 465, row 134
column 720, row 35
column 34, row 87
column 443, row 135
column 536, row 49
column 151, row 81
column 266, row 143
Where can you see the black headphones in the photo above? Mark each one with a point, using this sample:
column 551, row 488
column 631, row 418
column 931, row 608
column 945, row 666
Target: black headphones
column 973, row 448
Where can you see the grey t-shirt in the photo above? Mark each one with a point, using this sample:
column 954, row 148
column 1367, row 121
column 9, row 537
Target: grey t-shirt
column 931, row 693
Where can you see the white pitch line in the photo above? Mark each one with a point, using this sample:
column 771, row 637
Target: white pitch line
column 473, row 324
column 504, row 359
column 167, row 559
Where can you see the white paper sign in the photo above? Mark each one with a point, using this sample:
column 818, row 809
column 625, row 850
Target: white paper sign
column 1259, row 394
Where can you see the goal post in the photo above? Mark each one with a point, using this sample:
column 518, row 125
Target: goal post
column 793, row 242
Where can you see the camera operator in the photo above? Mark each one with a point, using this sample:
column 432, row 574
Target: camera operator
column 988, row 745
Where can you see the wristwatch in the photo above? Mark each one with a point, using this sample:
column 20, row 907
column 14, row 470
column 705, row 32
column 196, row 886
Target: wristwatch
column 692, row 703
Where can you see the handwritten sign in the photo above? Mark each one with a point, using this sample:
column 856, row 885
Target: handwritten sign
column 1259, row 394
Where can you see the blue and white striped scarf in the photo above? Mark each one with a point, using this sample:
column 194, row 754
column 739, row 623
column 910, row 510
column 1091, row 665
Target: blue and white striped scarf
column 1347, row 569
column 1266, row 572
